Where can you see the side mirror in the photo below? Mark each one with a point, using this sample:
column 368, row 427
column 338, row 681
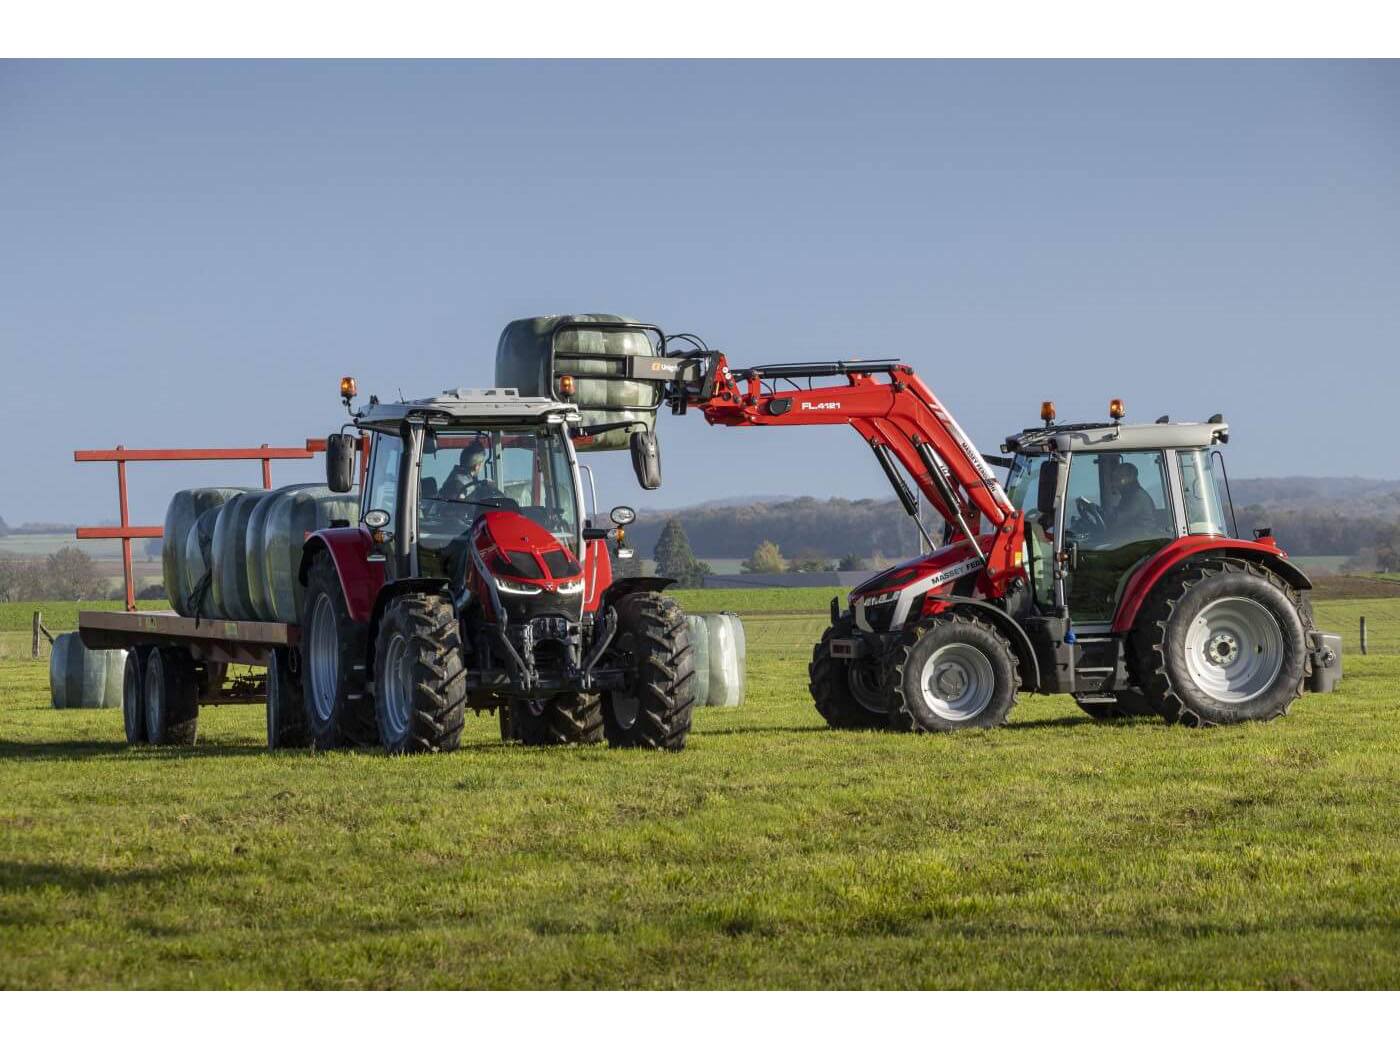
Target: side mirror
column 340, row 462
column 646, row 459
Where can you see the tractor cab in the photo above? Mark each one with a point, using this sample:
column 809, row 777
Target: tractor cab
column 1101, row 498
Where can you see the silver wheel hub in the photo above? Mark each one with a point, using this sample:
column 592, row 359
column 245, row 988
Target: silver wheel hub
column 325, row 658
column 957, row 682
column 1234, row 650
column 398, row 688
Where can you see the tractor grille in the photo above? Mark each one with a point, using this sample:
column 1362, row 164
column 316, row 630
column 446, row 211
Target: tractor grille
column 880, row 617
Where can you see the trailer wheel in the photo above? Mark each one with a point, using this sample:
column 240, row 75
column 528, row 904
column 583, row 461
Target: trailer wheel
column 653, row 646
column 1221, row 642
column 566, row 718
column 339, row 712
column 849, row 694
column 419, row 684
column 134, row 694
column 171, row 688
column 286, row 706
column 952, row 672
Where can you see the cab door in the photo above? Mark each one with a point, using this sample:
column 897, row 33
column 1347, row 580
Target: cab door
column 1118, row 511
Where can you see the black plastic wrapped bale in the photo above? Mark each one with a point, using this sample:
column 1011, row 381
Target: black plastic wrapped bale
column 230, row 555
column 253, row 551
column 291, row 516
column 523, row 361
column 185, row 508
column 198, row 595
column 83, row 677
column 720, row 658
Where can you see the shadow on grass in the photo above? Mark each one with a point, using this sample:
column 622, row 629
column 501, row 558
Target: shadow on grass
column 19, row 875
column 80, row 750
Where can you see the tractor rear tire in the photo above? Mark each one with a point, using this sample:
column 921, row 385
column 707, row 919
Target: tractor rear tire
column 134, row 694
column 1220, row 642
column 420, row 687
column 171, row 688
column 568, row 718
column 653, row 645
column 849, row 694
column 286, row 706
column 339, row 710
column 952, row 672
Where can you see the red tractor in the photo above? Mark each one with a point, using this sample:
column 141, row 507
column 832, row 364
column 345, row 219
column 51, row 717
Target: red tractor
column 474, row 579
column 1106, row 568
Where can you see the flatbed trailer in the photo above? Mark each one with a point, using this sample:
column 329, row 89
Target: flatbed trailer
column 177, row 664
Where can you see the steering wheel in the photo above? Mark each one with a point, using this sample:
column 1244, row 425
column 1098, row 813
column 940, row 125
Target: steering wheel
column 1092, row 515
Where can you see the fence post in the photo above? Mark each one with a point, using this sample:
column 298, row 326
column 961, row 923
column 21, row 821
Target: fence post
column 1363, row 636
column 38, row 622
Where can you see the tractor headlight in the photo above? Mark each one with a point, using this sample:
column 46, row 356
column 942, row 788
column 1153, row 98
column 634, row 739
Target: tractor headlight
column 571, row 588
column 516, row 588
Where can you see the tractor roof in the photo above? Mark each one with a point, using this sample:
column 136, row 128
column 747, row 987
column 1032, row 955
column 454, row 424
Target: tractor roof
column 490, row 407
column 1113, row 437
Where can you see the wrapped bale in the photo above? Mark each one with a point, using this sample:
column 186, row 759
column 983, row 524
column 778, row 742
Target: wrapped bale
column 185, row 508
column 83, row 677
column 293, row 514
column 198, row 596
column 523, row 361
column 231, row 568
column 699, row 629
column 720, row 656
column 253, row 550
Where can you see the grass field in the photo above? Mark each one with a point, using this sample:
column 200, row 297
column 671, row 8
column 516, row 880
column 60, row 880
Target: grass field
column 1057, row 852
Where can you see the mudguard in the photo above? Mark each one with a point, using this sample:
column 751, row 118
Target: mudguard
column 1147, row 576
column 360, row 579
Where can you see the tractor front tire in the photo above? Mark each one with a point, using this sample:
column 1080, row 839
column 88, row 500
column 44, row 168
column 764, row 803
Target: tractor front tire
column 568, row 718
column 653, row 646
column 339, row 711
column 1220, row 642
column 420, row 687
column 848, row 694
column 952, row 672
column 171, row 688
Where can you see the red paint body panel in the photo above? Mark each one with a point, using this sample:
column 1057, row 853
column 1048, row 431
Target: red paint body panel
column 1140, row 584
column 912, row 570
column 597, row 573
column 361, row 580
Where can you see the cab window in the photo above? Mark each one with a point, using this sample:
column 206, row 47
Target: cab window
column 1200, row 491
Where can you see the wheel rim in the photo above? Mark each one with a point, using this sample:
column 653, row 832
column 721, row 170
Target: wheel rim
column 154, row 689
column 957, row 682
column 398, row 688
column 1234, row 650
column 325, row 658
column 863, row 676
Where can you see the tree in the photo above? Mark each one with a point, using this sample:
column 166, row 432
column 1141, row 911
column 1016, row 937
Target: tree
column 809, row 565
column 674, row 557
column 852, row 563
column 765, row 558
column 70, row 575
column 21, row 581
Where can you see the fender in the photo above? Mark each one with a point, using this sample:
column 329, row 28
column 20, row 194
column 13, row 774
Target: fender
column 633, row 585
column 349, row 549
column 1147, row 576
column 1020, row 642
column 387, row 593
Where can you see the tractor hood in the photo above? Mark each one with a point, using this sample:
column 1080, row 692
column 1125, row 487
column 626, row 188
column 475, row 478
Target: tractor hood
column 887, row 601
column 521, row 551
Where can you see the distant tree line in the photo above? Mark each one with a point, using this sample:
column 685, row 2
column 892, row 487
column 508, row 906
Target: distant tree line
column 66, row 575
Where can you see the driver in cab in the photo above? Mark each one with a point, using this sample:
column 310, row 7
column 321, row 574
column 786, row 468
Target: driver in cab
column 1132, row 512
column 465, row 483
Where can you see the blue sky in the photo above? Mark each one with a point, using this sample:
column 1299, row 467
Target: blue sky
column 193, row 253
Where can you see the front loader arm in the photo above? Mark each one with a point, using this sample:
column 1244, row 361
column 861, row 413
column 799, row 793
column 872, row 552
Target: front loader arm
column 898, row 416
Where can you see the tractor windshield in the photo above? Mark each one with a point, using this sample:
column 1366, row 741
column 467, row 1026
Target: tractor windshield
column 466, row 472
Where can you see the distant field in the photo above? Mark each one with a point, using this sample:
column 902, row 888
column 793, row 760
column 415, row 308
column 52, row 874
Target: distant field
column 773, row 852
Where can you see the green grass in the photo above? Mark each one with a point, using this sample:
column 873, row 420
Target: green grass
column 772, row 852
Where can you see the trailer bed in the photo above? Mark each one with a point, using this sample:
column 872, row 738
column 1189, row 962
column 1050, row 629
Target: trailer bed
column 213, row 641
